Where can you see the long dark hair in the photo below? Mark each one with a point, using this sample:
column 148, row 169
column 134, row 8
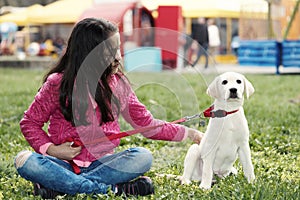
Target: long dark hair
column 86, row 66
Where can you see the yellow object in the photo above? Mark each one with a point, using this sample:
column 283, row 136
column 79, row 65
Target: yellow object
column 226, row 59
column 62, row 11
column 49, row 45
column 21, row 18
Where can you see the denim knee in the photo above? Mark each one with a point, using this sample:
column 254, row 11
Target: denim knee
column 143, row 155
column 21, row 158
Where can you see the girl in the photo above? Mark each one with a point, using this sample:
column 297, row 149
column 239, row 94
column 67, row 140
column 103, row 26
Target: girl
column 82, row 98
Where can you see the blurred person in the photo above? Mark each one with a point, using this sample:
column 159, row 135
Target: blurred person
column 147, row 32
column 59, row 45
column 188, row 51
column 200, row 35
column 214, row 37
column 235, row 44
column 82, row 100
column 185, row 40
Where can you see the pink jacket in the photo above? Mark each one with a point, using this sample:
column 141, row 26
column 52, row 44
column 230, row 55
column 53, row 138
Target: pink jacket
column 46, row 108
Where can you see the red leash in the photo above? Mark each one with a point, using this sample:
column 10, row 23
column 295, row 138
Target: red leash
column 132, row 132
column 207, row 113
column 74, row 143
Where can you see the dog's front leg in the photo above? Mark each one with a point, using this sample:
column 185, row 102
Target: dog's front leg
column 190, row 161
column 245, row 158
column 207, row 173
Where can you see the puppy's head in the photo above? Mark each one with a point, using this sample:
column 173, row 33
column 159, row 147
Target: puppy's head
column 230, row 86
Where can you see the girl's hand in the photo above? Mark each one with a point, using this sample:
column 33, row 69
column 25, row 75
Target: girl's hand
column 63, row 151
column 195, row 135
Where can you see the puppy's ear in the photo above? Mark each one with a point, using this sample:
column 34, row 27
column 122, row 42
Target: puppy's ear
column 249, row 89
column 212, row 89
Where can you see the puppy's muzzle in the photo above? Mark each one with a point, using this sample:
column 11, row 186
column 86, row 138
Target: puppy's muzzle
column 233, row 93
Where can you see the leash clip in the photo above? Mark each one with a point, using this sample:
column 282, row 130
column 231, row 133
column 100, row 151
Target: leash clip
column 188, row 118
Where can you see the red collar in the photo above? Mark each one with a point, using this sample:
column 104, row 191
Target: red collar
column 218, row 113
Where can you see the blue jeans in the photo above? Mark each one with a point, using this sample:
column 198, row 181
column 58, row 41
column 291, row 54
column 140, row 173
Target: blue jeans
column 99, row 177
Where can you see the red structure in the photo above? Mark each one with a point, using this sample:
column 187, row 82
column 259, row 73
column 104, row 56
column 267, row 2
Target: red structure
column 169, row 24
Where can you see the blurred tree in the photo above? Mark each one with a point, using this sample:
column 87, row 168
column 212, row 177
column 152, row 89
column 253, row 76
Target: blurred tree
column 296, row 8
column 271, row 33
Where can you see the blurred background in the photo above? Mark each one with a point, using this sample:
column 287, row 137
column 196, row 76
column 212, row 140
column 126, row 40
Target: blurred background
column 40, row 28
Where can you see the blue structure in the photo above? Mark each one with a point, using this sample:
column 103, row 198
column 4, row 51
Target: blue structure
column 269, row 53
column 291, row 53
column 146, row 59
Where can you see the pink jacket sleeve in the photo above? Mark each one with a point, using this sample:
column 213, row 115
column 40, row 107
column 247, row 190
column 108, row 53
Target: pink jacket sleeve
column 39, row 112
column 135, row 113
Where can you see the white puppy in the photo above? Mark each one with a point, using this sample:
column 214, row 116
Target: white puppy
column 227, row 135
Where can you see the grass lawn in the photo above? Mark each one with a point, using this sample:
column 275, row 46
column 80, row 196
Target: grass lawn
column 274, row 124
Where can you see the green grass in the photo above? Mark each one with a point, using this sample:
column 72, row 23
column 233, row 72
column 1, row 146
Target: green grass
column 273, row 122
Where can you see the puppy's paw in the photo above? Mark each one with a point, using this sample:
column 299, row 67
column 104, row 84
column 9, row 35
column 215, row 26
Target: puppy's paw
column 250, row 177
column 184, row 181
column 205, row 186
column 234, row 171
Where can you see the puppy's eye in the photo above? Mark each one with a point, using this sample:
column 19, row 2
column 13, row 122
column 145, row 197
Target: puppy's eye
column 239, row 81
column 224, row 82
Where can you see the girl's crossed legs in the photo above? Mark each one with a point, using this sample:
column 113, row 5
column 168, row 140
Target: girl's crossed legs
column 99, row 177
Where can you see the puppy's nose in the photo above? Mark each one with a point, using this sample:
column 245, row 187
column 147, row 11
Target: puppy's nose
column 233, row 93
column 233, row 90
